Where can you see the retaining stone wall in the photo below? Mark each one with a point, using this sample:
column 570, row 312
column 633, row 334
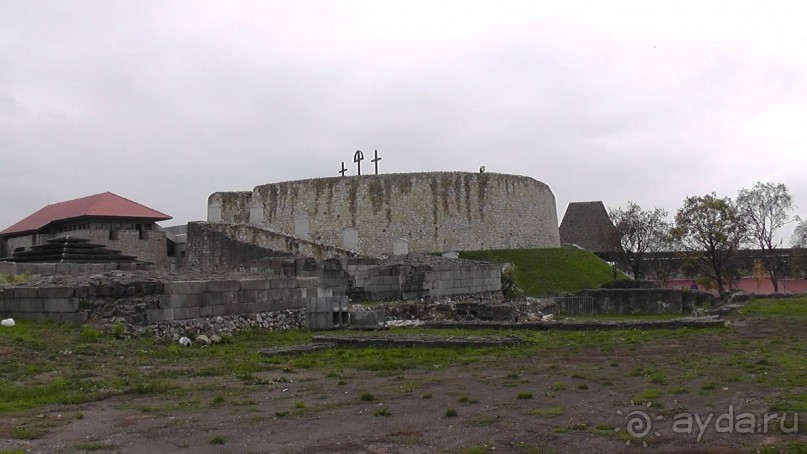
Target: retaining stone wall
column 645, row 301
column 221, row 246
column 69, row 268
column 371, row 281
column 149, row 303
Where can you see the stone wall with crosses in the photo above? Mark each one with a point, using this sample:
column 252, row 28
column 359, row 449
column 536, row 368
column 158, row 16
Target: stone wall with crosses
column 431, row 212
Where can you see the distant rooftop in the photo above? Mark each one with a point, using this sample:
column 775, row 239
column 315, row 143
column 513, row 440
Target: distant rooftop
column 104, row 205
column 588, row 225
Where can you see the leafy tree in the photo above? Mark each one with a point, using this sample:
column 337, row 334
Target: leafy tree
column 640, row 232
column 712, row 227
column 799, row 238
column 765, row 208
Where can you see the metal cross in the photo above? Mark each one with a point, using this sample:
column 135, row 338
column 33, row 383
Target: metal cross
column 375, row 161
column 358, row 157
column 342, row 172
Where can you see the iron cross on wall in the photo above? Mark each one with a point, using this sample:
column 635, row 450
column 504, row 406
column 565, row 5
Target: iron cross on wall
column 358, row 157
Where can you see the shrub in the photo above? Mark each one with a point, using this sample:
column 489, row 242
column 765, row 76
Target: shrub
column 622, row 283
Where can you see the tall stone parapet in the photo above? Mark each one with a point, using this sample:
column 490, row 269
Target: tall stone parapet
column 432, row 212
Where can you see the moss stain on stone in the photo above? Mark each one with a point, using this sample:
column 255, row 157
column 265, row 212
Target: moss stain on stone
column 481, row 192
column 467, row 183
column 388, row 200
column 458, row 193
column 434, row 185
column 273, row 195
column 404, row 183
column 445, row 187
column 376, row 190
column 353, row 199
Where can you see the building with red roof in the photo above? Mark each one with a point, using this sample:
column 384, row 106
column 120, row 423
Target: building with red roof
column 108, row 219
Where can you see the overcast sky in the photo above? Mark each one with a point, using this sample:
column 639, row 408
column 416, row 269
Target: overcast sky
column 165, row 102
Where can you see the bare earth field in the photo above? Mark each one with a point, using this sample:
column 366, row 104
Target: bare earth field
column 597, row 391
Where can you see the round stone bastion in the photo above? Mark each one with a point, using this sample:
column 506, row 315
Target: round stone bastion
column 379, row 215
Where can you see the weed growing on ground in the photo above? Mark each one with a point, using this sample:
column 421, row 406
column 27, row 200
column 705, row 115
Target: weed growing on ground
column 549, row 412
column 217, row 440
column 382, row 412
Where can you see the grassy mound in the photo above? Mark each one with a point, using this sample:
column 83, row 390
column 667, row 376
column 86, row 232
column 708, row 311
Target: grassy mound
column 549, row 271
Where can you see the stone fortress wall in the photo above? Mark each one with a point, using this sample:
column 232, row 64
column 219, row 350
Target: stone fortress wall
column 379, row 215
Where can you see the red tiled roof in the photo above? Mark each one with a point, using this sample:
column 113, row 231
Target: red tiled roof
column 106, row 205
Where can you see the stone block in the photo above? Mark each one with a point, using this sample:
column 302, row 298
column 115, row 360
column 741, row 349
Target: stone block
column 184, row 287
column 84, row 291
column 46, row 268
column 229, row 297
column 157, row 315
column 212, row 299
column 12, row 306
column 223, row 286
column 274, row 306
column 261, row 306
column 245, row 296
column 254, row 284
column 84, row 267
column 97, row 267
column 273, row 295
column 206, row 311
column 231, row 309
column 68, row 317
column 55, row 292
column 186, row 313
column 8, row 268
column 110, row 266
column 177, row 301
column 22, row 292
column 63, row 268
column 127, row 266
column 60, row 305
column 31, row 305
column 195, row 299
column 308, row 282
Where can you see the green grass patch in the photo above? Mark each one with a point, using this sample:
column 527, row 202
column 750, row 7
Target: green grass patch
column 781, row 307
column 92, row 446
column 550, row 270
column 14, row 278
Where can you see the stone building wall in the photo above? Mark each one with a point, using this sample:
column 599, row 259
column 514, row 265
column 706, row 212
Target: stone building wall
column 220, row 246
column 433, row 212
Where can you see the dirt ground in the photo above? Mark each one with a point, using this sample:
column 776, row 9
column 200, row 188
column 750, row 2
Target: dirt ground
column 560, row 401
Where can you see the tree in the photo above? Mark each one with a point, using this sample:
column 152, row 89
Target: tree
column 712, row 227
column 799, row 238
column 640, row 232
column 765, row 208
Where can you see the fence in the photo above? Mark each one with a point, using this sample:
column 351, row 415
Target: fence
column 575, row 305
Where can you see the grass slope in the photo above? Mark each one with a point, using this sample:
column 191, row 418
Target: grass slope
column 549, row 271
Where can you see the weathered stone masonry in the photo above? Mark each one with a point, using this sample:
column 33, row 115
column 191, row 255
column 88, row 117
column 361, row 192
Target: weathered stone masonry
column 433, row 212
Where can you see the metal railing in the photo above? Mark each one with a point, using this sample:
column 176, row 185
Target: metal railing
column 575, row 305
